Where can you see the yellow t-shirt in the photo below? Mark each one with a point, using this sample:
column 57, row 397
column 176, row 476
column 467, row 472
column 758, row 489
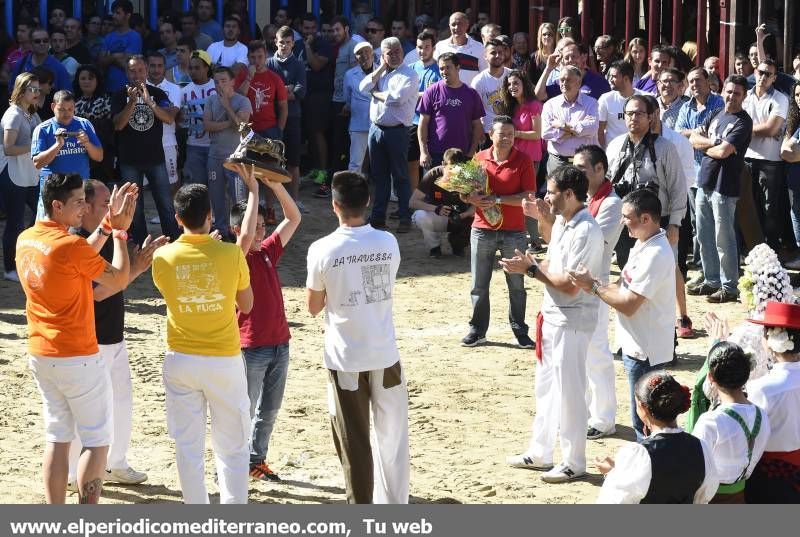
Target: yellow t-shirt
column 199, row 278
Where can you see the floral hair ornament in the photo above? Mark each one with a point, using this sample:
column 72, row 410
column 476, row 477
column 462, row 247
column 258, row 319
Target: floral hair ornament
column 779, row 316
column 688, row 393
column 654, row 381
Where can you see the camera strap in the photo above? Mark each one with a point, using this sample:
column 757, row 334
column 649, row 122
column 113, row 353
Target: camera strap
column 635, row 156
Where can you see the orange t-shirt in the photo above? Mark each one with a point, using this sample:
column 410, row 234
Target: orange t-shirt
column 56, row 270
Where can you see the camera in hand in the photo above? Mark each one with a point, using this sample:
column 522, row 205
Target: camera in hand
column 623, row 188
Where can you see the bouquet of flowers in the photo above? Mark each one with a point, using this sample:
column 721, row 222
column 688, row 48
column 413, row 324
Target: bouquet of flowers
column 764, row 280
column 470, row 178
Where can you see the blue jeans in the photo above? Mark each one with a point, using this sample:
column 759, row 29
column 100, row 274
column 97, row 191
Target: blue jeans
column 794, row 198
column 388, row 162
column 15, row 199
column 484, row 244
column 160, row 188
column 194, row 168
column 266, row 379
column 221, row 184
column 636, row 369
column 717, row 235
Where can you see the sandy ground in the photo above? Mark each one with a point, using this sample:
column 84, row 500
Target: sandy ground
column 469, row 408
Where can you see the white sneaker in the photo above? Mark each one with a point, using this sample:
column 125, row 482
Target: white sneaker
column 526, row 461
column 155, row 220
column 11, row 276
column 72, row 486
column 561, row 474
column 126, row 476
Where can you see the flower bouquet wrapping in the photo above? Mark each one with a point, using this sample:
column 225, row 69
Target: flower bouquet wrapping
column 469, row 178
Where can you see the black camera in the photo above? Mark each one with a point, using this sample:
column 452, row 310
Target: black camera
column 623, row 188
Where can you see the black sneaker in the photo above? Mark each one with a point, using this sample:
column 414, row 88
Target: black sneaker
column 594, row 434
column 702, row 289
column 378, row 224
column 435, row 253
column 404, row 226
column 394, row 215
column 524, row 342
column 721, row 295
column 459, row 252
column 324, row 191
column 472, row 339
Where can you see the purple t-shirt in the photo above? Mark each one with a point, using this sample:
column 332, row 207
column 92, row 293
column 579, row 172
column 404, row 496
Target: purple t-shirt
column 452, row 111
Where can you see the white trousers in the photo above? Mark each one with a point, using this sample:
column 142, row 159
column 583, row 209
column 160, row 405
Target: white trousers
column 115, row 358
column 358, row 148
column 601, row 397
column 388, row 439
column 194, row 384
column 432, row 225
column 560, row 402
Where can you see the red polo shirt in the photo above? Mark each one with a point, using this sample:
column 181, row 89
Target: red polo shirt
column 510, row 177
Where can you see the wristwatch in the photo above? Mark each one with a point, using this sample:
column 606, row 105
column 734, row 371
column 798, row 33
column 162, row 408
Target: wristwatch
column 532, row 270
column 595, row 287
column 121, row 234
column 498, row 200
column 103, row 232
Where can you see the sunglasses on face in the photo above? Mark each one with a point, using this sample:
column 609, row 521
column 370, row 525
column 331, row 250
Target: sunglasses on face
column 764, row 73
column 41, row 41
column 565, row 29
column 33, row 89
column 373, row 30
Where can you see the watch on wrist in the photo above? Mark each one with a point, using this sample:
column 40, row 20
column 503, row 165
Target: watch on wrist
column 532, row 270
column 121, row 234
column 595, row 287
column 498, row 200
column 103, row 232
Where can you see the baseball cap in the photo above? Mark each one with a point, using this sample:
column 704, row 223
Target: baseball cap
column 361, row 45
column 203, row 55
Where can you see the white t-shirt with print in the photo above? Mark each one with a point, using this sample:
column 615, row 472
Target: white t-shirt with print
column 488, row 87
column 471, row 56
column 227, row 56
column 356, row 267
column 611, row 108
column 193, row 105
column 649, row 272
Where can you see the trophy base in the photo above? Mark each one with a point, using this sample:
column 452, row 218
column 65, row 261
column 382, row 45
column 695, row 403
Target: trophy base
column 266, row 170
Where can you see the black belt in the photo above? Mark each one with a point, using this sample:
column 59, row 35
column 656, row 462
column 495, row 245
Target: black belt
column 400, row 126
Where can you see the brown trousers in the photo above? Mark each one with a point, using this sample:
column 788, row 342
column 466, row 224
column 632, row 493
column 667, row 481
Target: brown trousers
column 350, row 427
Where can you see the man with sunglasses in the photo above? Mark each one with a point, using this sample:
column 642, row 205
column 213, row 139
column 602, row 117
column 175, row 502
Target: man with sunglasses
column 40, row 55
column 605, row 49
column 768, row 108
column 375, row 32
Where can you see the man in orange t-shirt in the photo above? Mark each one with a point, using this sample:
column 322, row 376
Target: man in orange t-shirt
column 56, row 271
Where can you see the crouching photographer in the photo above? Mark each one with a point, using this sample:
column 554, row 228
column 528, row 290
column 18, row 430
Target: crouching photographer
column 438, row 212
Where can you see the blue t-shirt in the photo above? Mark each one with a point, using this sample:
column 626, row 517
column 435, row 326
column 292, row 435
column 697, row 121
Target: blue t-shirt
column 213, row 29
column 72, row 157
column 428, row 75
column 62, row 80
column 130, row 43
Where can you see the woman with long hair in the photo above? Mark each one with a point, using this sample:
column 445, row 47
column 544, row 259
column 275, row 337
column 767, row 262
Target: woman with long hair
column 545, row 46
column 93, row 103
column 19, row 179
column 636, row 55
column 520, row 103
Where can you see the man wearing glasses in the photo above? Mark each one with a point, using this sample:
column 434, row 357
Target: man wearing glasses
column 375, row 32
column 605, row 48
column 669, row 96
column 660, row 58
column 768, row 108
column 40, row 55
column 641, row 157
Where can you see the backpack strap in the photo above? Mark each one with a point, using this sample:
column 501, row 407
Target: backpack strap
column 749, row 435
